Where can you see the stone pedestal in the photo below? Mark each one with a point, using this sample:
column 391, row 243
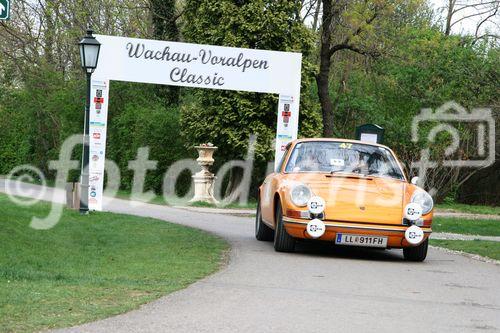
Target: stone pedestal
column 204, row 180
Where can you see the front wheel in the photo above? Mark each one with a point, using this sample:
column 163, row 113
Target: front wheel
column 416, row 253
column 283, row 242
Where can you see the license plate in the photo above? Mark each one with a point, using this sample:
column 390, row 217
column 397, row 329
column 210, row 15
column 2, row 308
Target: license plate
column 360, row 240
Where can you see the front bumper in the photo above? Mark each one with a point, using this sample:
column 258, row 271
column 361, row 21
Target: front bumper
column 395, row 233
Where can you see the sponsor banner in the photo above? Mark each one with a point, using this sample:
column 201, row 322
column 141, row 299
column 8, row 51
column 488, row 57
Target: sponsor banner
column 198, row 65
column 97, row 132
column 288, row 124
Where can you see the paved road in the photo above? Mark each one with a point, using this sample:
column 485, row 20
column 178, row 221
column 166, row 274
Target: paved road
column 316, row 289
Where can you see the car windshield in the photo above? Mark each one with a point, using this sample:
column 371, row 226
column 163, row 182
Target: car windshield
column 333, row 157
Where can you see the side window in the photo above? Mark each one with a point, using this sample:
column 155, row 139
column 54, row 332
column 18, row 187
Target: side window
column 296, row 157
column 280, row 164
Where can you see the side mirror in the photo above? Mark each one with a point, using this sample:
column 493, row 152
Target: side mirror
column 414, row 180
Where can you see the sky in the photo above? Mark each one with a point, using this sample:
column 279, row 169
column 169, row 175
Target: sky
column 468, row 26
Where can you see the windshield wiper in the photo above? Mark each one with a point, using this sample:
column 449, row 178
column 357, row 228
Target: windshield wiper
column 343, row 173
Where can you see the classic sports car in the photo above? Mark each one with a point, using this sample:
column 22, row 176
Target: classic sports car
column 347, row 192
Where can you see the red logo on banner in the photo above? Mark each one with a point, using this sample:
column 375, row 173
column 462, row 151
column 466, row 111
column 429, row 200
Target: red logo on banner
column 286, row 114
column 96, row 135
column 98, row 99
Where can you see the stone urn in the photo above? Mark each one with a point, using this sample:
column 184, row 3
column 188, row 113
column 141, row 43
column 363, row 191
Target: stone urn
column 204, row 179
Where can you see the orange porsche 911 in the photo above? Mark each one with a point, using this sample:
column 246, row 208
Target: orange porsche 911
column 346, row 192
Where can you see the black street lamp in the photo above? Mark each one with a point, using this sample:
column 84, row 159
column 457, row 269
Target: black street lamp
column 89, row 54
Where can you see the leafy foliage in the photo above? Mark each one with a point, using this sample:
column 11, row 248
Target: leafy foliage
column 423, row 69
column 229, row 118
column 37, row 118
column 386, row 70
column 138, row 118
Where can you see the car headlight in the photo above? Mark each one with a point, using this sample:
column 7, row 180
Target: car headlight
column 424, row 200
column 300, row 195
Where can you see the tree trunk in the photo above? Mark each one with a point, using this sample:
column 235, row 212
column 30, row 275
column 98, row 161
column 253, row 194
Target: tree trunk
column 449, row 17
column 316, row 15
column 322, row 78
column 48, row 43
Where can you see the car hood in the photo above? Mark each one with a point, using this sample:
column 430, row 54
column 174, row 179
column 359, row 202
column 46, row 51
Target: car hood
column 359, row 199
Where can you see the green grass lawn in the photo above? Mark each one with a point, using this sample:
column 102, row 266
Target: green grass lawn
column 92, row 267
column 472, row 209
column 466, row 226
column 483, row 248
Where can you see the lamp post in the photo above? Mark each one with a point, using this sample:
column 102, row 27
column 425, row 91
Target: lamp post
column 89, row 54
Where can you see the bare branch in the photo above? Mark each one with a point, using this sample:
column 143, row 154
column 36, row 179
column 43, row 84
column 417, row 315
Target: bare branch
column 486, row 19
column 469, row 16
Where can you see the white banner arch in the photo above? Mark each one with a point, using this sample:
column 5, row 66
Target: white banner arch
column 189, row 65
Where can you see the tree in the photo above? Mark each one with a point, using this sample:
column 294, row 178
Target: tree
column 228, row 118
column 346, row 25
column 164, row 17
column 40, row 71
column 422, row 69
column 481, row 10
column 351, row 65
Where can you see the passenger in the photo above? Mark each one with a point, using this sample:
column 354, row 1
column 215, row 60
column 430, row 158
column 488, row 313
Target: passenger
column 308, row 163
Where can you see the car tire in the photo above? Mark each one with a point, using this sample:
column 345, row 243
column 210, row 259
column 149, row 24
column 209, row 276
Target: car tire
column 416, row 253
column 262, row 231
column 283, row 242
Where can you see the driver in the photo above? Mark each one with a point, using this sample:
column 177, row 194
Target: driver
column 361, row 167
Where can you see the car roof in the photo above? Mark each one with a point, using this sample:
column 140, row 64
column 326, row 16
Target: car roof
column 338, row 140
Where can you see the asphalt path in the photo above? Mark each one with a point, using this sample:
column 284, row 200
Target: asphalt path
column 319, row 288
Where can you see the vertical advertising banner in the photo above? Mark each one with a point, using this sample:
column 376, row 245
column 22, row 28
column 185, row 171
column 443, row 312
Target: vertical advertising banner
column 287, row 125
column 97, row 132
